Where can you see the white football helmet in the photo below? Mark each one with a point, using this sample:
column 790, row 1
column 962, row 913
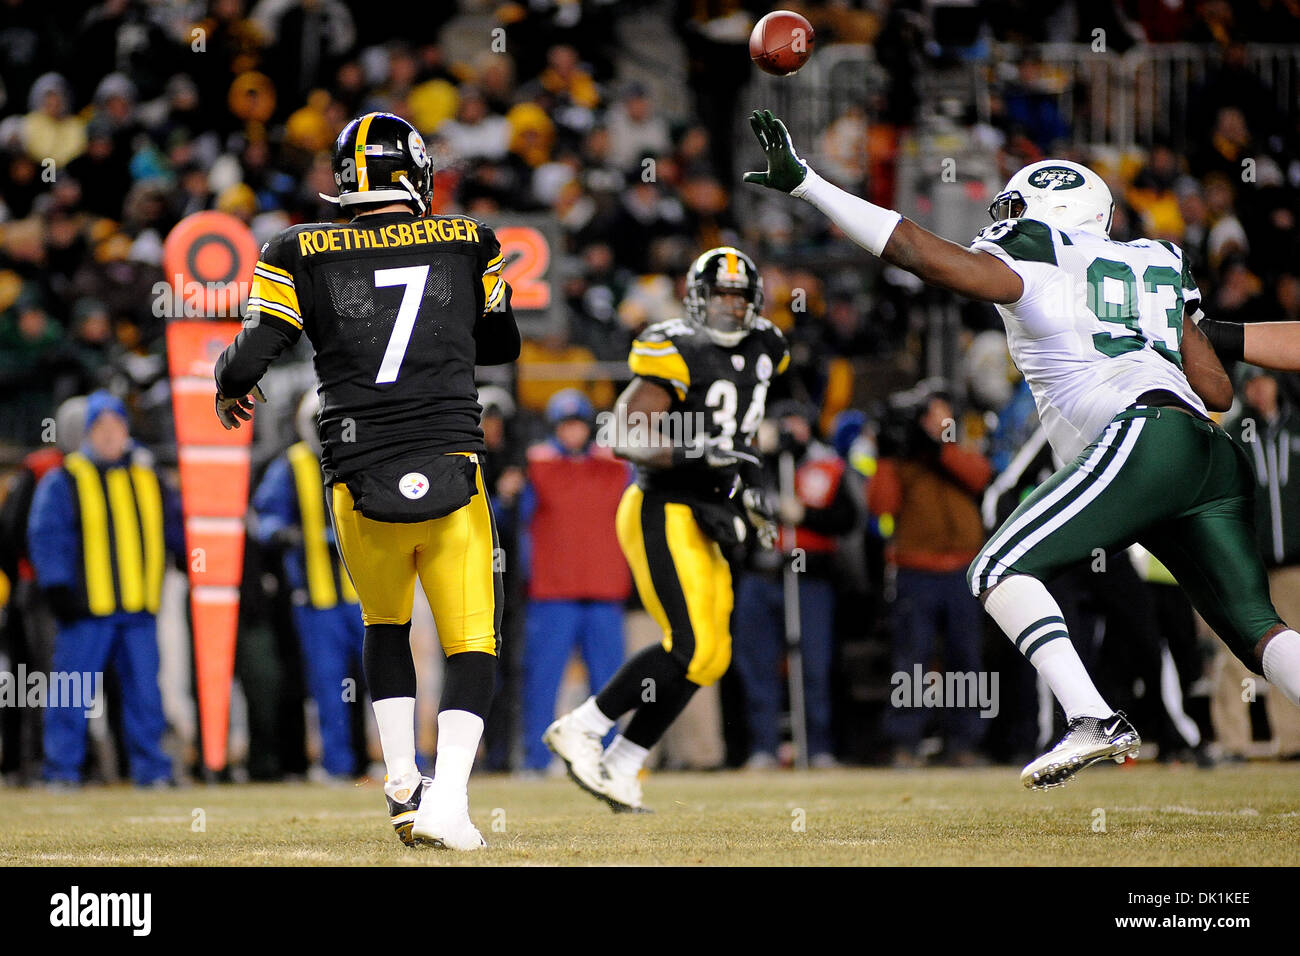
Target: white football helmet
column 1059, row 193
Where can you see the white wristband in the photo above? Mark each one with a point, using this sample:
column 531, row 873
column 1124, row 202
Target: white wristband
column 865, row 223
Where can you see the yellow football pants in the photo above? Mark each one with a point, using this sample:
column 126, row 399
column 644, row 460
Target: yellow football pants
column 683, row 579
column 453, row 557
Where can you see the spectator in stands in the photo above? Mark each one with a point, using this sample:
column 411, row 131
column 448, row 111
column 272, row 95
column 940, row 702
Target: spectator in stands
column 476, row 133
column 578, row 579
column 51, row 133
column 930, row 484
column 820, row 508
column 290, row 513
column 105, row 588
column 635, row 129
column 33, row 360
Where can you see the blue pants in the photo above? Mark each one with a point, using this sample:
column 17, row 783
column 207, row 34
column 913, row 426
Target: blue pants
column 128, row 642
column 331, row 651
column 759, row 649
column 924, row 600
column 552, row 630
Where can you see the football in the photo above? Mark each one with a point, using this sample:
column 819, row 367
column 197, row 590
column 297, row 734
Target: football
column 781, row 42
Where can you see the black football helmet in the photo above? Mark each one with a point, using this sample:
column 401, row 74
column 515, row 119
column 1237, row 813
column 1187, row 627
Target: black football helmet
column 380, row 158
column 724, row 269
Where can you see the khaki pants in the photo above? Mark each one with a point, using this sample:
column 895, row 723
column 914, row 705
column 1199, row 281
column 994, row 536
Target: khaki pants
column 1227, row 707
column 694, row 741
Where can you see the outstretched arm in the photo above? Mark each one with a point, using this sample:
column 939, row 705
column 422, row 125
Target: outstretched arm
column 1274, row 345
column 882, row 232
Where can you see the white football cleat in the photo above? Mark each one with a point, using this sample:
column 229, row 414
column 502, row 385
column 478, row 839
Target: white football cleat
column 622, row 791
column 1086, row 740
column 581, row 752
column 445, row 823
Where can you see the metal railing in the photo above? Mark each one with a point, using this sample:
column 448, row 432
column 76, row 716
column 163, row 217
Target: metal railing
column 1148, row 94
column 1142, row 96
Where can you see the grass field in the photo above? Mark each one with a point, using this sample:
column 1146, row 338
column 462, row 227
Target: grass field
column 1153, row 815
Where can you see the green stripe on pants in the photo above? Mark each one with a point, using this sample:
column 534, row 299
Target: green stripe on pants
column 1174, row 483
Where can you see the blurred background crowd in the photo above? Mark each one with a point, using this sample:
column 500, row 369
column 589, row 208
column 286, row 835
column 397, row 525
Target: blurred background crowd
column 620, row 127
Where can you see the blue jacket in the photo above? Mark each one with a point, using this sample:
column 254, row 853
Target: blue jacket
column 54, row 539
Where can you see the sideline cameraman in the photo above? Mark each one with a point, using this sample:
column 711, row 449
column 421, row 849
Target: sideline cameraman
column 931, row 487
column 821, row 510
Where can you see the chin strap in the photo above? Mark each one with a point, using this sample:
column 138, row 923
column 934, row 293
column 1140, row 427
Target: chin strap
column 414, row 195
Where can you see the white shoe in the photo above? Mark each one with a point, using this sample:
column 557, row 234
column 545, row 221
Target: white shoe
column 444, row 822
column 580, row 750
column 622, row 791
column 1086, row 741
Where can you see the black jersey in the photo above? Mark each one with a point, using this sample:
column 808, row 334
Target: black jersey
column 720, row 390
column 399, row 309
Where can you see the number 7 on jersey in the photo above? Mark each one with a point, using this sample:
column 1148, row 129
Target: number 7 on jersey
column 413, row 278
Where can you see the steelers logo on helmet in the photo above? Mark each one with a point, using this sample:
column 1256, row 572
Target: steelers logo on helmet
column 418, row 153
column 724, row 270
column 376, row 161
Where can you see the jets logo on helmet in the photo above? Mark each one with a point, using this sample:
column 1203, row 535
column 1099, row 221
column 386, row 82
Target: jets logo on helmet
column 380, row 158
column 1059, row 193
column 1055, row 177
column 723, row 269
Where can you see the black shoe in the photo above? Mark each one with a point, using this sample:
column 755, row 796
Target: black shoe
column 1085, row 741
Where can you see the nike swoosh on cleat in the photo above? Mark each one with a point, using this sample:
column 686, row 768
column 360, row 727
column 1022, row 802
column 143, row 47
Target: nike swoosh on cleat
column 1108, row 731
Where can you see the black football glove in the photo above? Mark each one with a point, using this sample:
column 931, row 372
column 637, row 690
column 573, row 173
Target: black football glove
column 785, row 170
column 231, row 411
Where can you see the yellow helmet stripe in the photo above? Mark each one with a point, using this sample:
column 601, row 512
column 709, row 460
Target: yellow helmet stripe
column 363, row 181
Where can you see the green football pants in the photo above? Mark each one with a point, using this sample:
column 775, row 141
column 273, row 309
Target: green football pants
column 1175, row 484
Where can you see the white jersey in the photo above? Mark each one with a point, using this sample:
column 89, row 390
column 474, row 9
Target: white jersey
column 1100, row 322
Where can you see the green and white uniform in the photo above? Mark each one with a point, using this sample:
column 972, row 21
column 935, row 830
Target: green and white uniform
column 1100, row 325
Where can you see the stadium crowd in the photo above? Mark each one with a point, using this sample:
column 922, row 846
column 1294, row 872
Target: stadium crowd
column 120, row 121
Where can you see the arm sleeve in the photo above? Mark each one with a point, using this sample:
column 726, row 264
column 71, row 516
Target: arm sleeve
column 52, row 540
column 272, row 322
column 865, row 223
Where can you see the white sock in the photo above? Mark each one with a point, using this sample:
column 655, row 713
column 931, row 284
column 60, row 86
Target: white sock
column 591, row 719
column 396, row 719
column 1282, row 664
column 625, row 757
column 459, row 732
column 1030, row 616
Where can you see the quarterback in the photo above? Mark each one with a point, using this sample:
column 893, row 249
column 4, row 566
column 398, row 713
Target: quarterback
column 1123, row 386
column 684, row 509
column 399, row 307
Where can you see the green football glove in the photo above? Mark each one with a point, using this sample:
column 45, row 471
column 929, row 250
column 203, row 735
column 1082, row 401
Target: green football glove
column 785, row 170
